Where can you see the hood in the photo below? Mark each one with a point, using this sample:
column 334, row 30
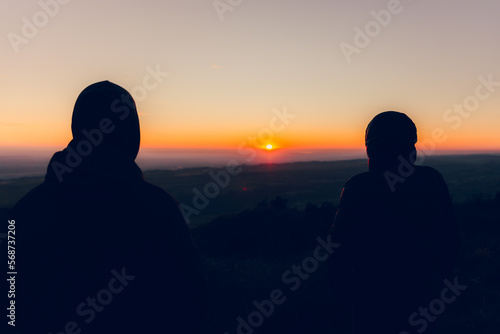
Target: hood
column 106, row 135
column 108, row 109
column 389, row 136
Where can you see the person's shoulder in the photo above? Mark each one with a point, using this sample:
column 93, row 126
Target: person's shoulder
column 160, row 204
column 360, row 180
column 158, row 195
column 430, row 178
column 429, row 172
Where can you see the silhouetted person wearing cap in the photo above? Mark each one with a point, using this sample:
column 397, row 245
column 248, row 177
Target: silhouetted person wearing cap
column 397, row 231
column 99, row 250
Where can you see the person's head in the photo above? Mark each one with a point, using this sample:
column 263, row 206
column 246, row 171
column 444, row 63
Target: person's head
column 105, row 116
column 389, row 137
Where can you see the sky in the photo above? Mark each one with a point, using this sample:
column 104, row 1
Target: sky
column 221, row 74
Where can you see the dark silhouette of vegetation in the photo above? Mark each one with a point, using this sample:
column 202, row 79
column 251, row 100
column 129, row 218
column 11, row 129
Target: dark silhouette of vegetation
column 272, row 228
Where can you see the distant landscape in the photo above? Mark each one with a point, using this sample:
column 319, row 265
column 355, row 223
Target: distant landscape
column 468, row 177
column 268, row 217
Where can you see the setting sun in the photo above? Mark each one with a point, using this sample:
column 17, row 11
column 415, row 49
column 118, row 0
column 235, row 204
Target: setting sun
column 269, row 146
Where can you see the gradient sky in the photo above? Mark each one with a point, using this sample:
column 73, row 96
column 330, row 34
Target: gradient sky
column 227, row 76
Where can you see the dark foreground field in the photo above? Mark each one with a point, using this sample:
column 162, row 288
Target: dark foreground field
column 269, row 217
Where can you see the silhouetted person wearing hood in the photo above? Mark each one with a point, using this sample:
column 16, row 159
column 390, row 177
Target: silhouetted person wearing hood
column 397, row 231
column 99, row 250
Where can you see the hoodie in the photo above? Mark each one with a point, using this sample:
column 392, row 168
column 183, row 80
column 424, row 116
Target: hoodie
column 99, row 249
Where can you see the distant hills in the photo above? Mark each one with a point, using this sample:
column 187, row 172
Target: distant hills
column 468, row 177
